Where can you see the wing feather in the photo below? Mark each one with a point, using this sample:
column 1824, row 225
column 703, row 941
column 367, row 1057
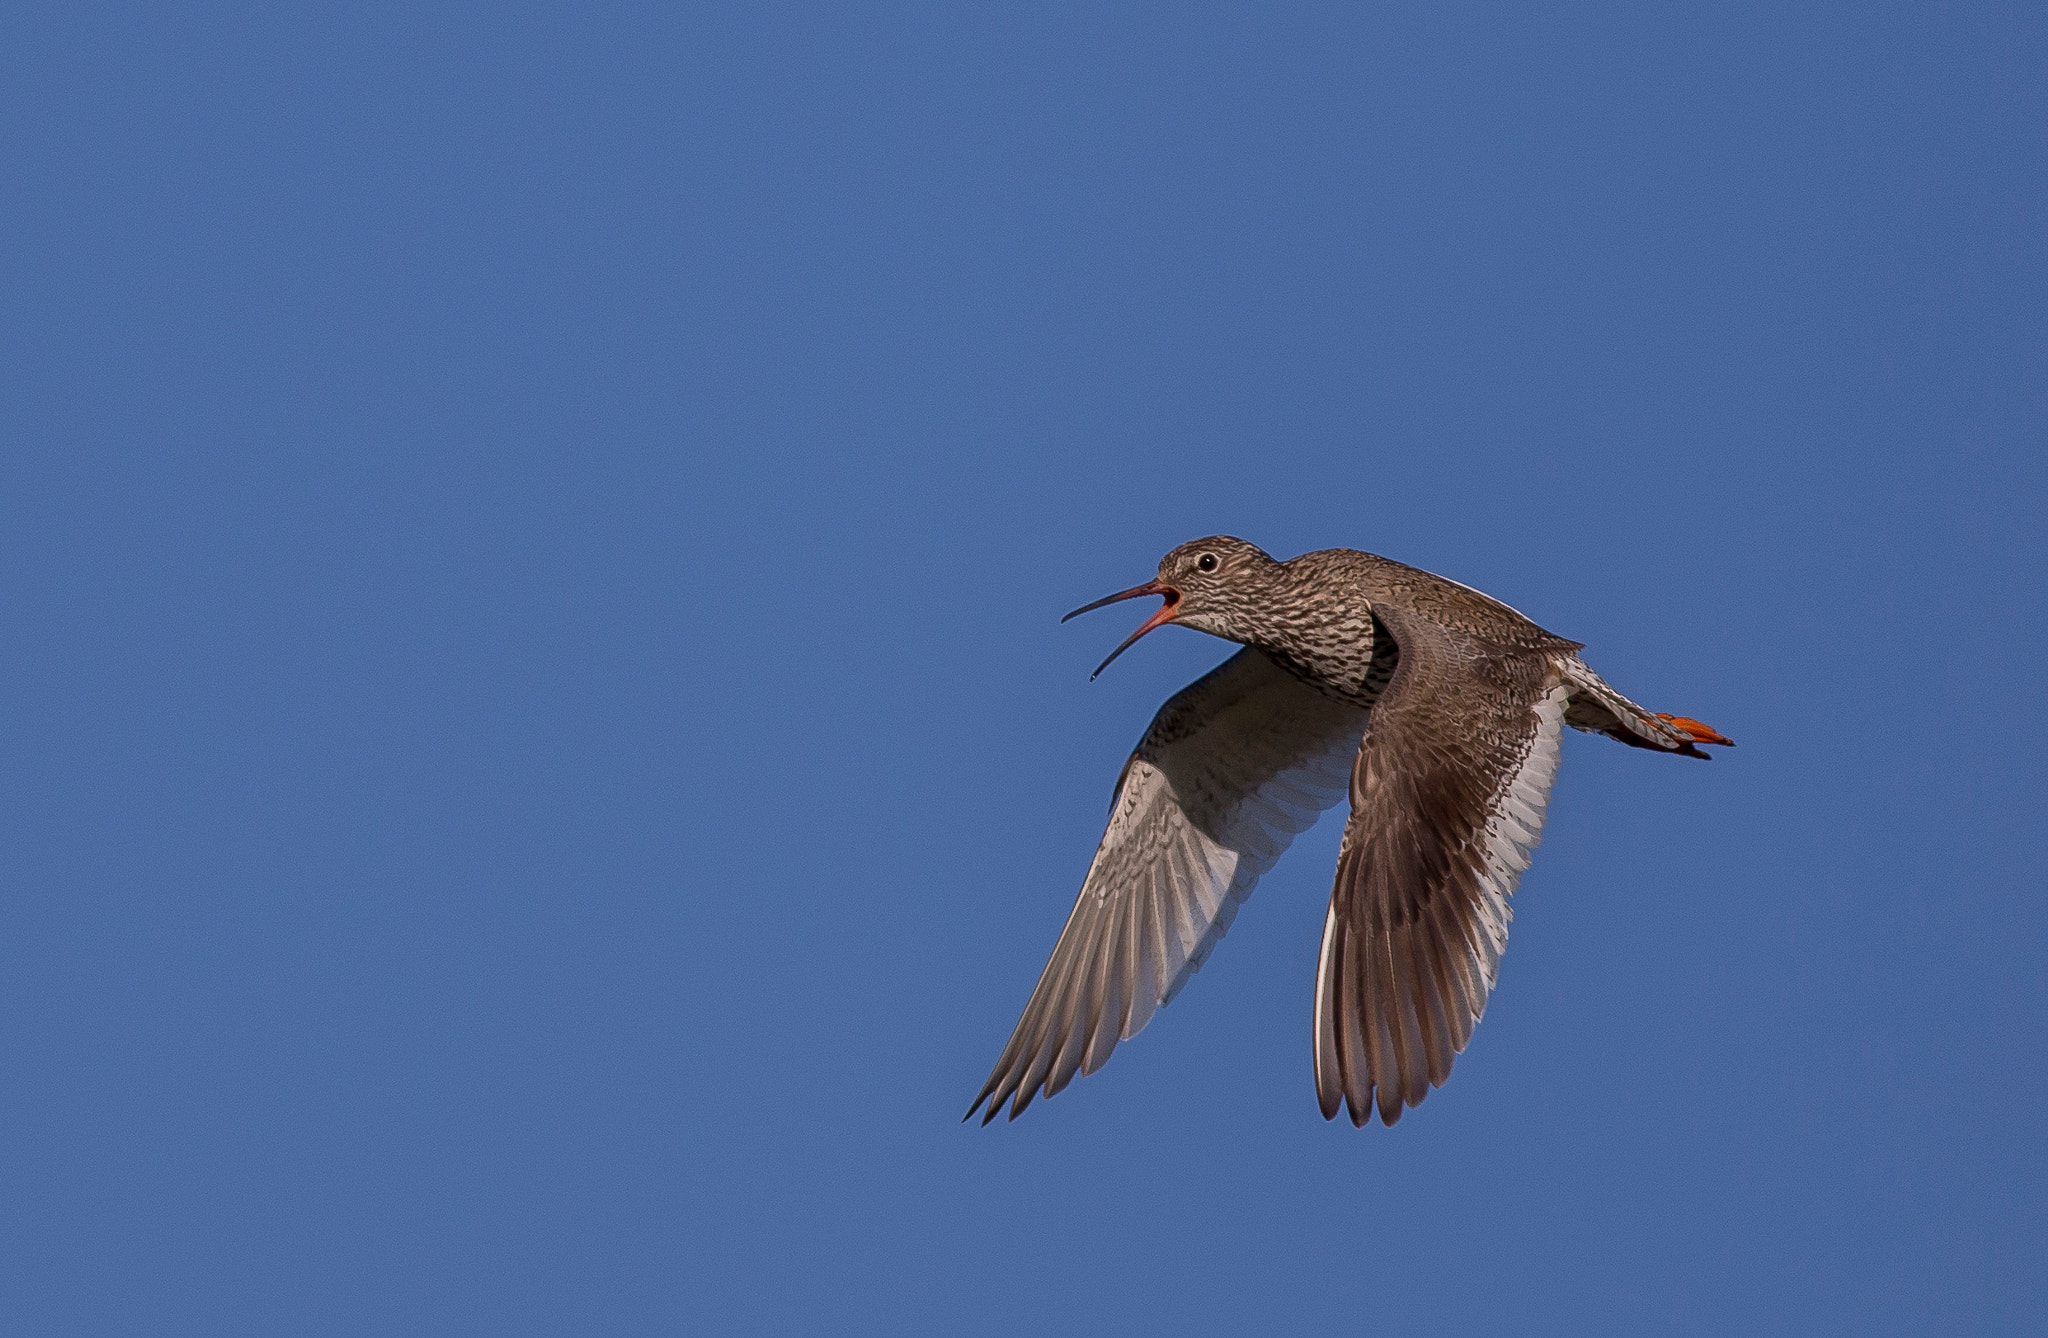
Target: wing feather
column 1448, row 795
column 1233, row 767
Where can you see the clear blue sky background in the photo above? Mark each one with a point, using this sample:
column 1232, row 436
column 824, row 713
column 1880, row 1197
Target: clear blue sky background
column 539, row 765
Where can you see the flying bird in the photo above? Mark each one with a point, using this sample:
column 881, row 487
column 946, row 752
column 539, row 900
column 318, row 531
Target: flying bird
column 1436, row 709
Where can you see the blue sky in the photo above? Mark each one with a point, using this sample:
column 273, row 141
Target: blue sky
column 540, row 764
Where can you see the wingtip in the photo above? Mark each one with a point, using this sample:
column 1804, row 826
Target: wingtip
column 992, row 1109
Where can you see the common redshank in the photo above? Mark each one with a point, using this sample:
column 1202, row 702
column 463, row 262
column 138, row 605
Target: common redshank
column 1439, row 710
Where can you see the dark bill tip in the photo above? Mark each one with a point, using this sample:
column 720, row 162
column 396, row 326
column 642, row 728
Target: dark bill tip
column 1158, row 619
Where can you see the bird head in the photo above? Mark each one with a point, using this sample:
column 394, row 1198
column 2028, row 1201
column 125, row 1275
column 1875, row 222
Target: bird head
column 1208, row 584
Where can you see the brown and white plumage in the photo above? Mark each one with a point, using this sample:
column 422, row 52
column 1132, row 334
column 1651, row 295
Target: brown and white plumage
column 1234, row 766
column 1445, row 709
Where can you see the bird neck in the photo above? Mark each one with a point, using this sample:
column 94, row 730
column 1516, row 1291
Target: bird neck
column 1325, row 639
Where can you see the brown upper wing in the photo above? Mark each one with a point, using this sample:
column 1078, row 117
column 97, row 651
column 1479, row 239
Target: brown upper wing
column 1447, row 799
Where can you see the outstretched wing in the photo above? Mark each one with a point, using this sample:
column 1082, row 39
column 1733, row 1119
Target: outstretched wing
column 1447, row 801
column 1234, row 765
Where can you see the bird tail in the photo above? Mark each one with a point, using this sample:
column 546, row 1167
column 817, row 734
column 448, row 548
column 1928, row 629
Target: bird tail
column 1599, row 709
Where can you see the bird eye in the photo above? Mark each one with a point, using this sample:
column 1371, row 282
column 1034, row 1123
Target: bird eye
column 1207, row 562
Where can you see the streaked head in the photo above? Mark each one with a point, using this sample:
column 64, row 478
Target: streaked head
column 1211, row 585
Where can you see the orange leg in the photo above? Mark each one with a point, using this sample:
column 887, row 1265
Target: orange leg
column 1693, row 729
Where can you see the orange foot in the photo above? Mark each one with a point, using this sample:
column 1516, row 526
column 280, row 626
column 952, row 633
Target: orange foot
column 1694, row 730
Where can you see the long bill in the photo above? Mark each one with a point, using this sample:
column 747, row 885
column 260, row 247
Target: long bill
column 1159, row 619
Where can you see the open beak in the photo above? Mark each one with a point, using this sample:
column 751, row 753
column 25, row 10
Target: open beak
column 1159, row 619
